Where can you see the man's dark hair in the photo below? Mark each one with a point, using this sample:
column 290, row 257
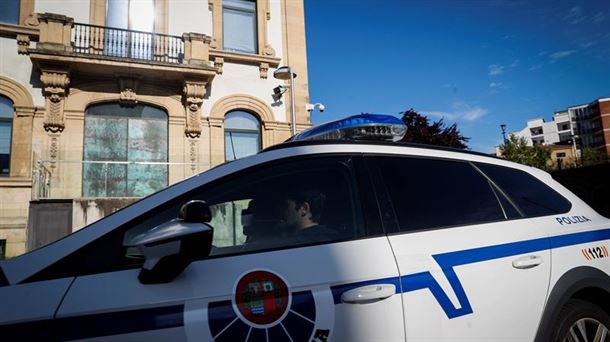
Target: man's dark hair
column 314, row 197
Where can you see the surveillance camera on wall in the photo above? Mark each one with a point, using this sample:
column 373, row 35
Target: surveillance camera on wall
column 311, row 106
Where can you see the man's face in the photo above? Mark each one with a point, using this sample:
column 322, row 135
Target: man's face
column 291, row 213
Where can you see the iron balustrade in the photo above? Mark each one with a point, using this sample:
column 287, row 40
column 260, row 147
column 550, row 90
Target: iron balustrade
column 121, row 43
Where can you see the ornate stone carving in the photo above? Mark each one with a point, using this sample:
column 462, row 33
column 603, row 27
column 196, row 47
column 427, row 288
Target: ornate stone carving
column 218, row 63
column 23, row 43
column 55, row 86
column 32, row 20
column 263, row 68
column 193, row 99
column 214, row 43
column 269, row 51
column 193, row 154
column 128, row 88
column 53, row 149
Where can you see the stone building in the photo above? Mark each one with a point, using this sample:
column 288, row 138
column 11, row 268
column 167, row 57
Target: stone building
column 104, row 101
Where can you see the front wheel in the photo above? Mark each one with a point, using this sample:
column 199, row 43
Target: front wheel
column 581, row 321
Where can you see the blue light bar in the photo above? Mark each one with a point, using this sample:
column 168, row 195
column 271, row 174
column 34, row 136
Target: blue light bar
column 357, row 127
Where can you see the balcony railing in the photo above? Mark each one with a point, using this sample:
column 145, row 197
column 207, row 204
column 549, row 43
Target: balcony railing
column 120, row 43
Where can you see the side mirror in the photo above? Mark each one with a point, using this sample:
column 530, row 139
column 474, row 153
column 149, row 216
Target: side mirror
column 170, row 247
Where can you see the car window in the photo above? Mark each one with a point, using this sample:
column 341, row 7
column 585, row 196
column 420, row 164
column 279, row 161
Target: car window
column 282, row 205
column 297, row 203
column 277, row 205
column 531, row 195
column 431, row 193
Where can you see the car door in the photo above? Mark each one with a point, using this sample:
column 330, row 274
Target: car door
column 471, row 266
column 265, row 280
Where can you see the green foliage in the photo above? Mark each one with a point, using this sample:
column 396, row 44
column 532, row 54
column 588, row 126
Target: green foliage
column 592, row 156
column 421, row 131
column 516, row 149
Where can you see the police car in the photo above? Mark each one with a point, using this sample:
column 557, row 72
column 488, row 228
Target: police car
column 338, row 235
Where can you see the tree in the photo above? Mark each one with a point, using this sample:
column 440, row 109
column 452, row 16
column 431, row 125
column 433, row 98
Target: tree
column 421, row 131
column 592, row 156
column 516, row 149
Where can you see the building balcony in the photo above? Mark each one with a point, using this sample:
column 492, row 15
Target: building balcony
column 109, row 52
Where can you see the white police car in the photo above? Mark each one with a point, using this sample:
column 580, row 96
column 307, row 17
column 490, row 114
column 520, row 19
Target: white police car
column 328, row 240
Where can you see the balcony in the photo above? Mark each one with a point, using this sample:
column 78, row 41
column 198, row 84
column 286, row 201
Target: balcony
column 107, row 52
column 115, row 43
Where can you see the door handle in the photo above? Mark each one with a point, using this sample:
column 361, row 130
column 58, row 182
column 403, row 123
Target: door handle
column 528, row 261
column 368, row 294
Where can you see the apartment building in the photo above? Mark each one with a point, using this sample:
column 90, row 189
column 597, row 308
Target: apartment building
column 589, row 123
column 103, row 102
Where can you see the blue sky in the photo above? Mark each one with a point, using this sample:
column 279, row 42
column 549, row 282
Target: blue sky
column 476, row 63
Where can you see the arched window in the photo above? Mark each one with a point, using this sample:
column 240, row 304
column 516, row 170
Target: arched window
column 6, row 129
column 242, row 135
column 124, row 147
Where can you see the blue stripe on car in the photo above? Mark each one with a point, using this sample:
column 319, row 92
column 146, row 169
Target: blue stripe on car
column 447, row 262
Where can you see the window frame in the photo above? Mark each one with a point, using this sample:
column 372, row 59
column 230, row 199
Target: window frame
column 2, row 252
column 11, row 122
column 254, row 28
column 512, row 201
column 258, row 131
column 18, row 20
column 114, row 116
column 74, row 265
column 385, row 200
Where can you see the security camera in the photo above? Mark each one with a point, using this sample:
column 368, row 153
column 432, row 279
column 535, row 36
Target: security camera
column 311, row 106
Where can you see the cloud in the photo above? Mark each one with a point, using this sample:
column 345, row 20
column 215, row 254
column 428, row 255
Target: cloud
column 561, row 54
column 599, row 17
column 575, row 15
column 514, row 64
column 535, row 67
column 496, row 69
column 461, row 112
column 588, row 44
column 495, row 84
column 543, row 53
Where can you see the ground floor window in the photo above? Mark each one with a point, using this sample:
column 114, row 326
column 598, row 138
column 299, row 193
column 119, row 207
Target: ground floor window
column 125, row 150
column 2, row 249
column 6, row 131
column 242, row 135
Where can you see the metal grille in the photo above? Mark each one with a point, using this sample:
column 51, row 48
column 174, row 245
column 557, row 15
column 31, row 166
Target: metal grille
column 130, row 44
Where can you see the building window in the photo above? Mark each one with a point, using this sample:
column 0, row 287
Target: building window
column 125, row 150
column 239, row 25
column 2, row 249
column 9, row 11
column 561, row 154
column 136, row 15
column 6, row 130
column 242, row 135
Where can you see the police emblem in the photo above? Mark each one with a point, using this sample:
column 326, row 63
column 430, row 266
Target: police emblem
column 262, row 297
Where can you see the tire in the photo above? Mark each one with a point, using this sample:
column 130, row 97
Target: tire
column 581, row 321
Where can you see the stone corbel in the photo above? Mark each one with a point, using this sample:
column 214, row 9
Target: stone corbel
column 23, row 43
column 263, row 68
column 55, row 87
column 194, row 91
column 218, row 63
column 128, row 88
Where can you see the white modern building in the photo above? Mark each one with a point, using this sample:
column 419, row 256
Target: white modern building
column 539, row 131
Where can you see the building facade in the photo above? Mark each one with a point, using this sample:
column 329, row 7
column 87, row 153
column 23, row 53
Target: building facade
column 105, row 101
column 589, row 124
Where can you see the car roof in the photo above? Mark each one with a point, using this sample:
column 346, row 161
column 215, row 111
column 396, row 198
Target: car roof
column 289, row 144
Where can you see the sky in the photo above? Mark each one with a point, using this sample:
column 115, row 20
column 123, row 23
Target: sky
column 476, row 63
